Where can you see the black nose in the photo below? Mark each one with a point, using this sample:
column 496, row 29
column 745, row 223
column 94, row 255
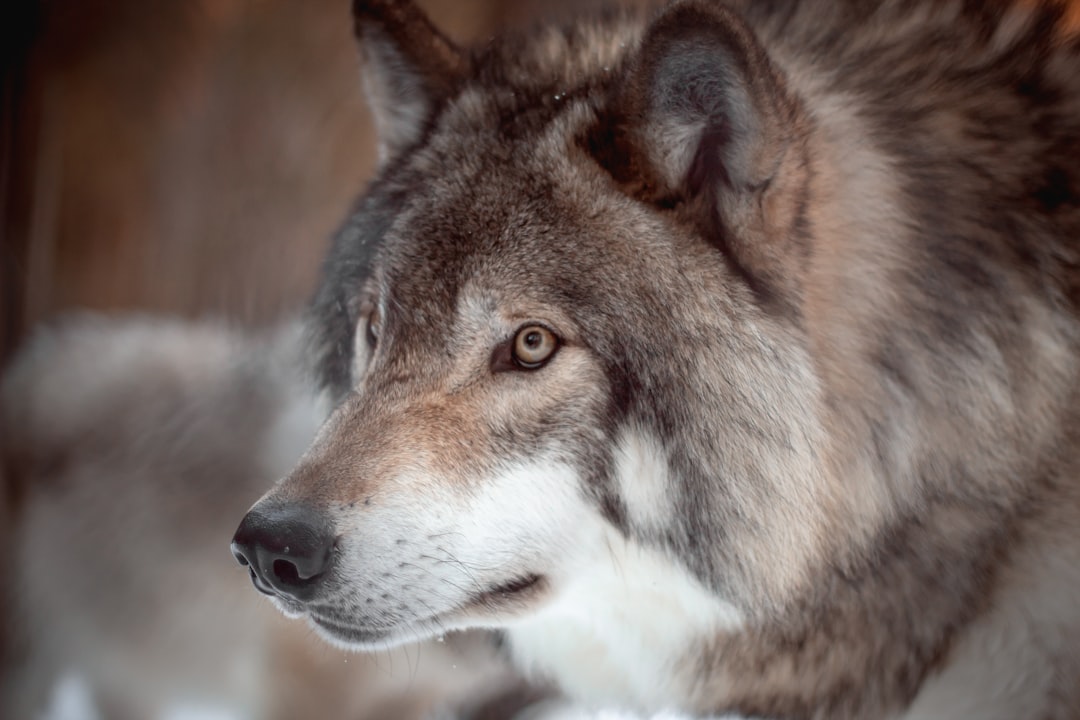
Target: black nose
column 286, row 549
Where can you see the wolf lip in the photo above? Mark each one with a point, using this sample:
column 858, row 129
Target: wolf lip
column 347, row 633
column 520, row 585
column 511, row 590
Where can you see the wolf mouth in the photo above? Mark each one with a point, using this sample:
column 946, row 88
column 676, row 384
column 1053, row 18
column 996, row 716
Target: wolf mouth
column 519, row 588
column 503, row 596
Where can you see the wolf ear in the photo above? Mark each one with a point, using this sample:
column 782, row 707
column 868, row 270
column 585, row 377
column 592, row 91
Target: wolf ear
column 708, row 104
column 709, row 117
column 409, row 68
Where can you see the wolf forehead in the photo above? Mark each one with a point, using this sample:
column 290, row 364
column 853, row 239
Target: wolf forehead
column 480, row 181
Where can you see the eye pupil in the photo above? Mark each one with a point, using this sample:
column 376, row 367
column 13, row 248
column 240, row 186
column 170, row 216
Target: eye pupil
column 533, row 346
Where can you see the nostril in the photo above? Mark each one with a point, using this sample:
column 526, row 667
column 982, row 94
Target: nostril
column 287, row 573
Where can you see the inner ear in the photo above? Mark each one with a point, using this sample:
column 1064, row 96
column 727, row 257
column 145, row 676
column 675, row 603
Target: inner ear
column 410, row 68
column 706, row 107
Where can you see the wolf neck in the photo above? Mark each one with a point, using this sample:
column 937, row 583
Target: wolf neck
column 615, row 635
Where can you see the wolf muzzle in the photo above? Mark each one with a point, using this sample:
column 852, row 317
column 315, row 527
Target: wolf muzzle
column 287, row 549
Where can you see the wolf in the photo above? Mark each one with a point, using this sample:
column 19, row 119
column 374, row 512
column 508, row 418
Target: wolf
column 131, row 444
column 724, row 356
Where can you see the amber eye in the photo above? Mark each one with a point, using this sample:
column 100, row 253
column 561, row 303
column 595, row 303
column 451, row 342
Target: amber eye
column 533, row 346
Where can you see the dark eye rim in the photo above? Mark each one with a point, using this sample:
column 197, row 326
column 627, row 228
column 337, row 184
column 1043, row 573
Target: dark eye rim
column 504, row 359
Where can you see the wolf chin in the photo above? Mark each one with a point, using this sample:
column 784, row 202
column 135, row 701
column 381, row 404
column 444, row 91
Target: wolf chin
column 726, row 357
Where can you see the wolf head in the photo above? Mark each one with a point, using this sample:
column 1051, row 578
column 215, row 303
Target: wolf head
column 565, row 312
column 753, row 356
